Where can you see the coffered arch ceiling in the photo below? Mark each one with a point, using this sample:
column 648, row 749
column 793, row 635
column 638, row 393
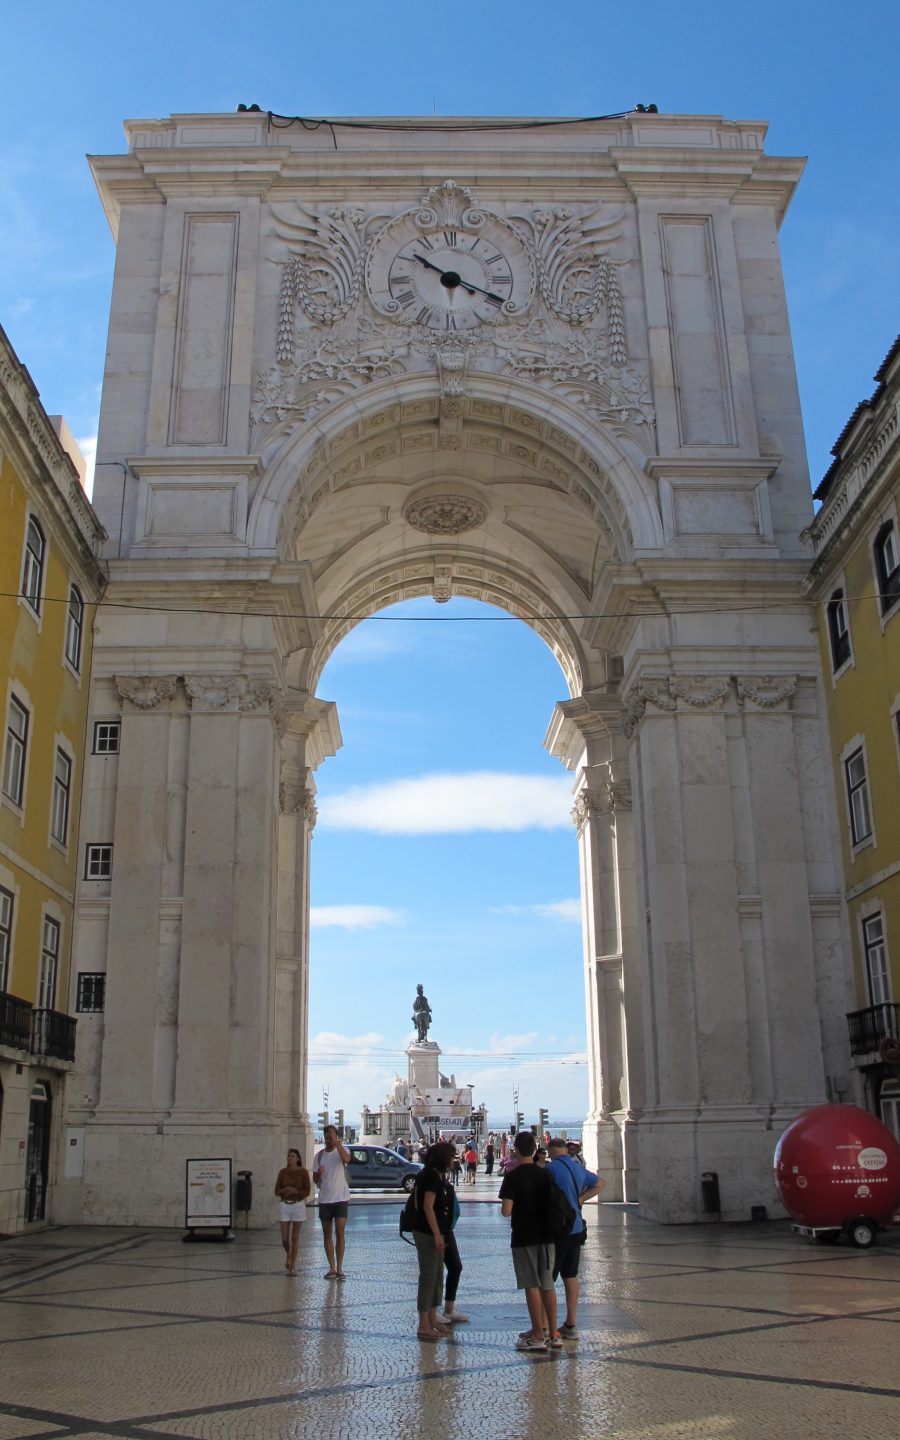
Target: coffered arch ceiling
column 482, row 495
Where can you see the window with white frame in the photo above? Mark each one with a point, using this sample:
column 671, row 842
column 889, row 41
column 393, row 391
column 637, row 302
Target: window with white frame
column 62, row 791
column 878, row 975
column 16, row 752
column 33, row 566
column 838, row 630
column 49, row 963
column 74, row 627
column 858, row 796
column 6, row 925
column 106, row 737
column 98, row 862
column 887, row 566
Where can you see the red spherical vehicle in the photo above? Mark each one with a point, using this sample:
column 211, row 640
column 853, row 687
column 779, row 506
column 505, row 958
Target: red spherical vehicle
column 837, row 1171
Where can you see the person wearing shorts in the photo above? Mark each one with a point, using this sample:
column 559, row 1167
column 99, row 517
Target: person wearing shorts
column 578, row 1185
column 292, row 1187
column 524, row 1198
column 330, row 1175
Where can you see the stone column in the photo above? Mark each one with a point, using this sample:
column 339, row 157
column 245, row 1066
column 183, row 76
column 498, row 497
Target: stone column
column 731, row 1011
column 308, row 731
column 129, row 1075
column 586, row 733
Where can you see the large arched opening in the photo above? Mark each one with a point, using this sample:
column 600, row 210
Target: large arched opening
column 475, row 498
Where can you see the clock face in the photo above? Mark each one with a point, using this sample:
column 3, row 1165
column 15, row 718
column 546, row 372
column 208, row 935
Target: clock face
column 449, row 279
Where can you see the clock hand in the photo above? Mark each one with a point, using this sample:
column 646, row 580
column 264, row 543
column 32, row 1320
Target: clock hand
column 427, row 263
column 451, row 280
column 476, row 289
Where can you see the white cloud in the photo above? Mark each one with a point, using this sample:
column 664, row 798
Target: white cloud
column 352, row 917
column 569, row 910
column 88, row 448
column 452, row 804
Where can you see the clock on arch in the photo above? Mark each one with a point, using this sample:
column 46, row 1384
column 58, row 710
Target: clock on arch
column 449, row 266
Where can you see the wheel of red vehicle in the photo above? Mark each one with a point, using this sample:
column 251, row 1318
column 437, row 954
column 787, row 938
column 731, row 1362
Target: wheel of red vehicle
column 862, row 1232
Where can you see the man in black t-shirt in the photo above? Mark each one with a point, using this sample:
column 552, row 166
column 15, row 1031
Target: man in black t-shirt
column 524, row 1197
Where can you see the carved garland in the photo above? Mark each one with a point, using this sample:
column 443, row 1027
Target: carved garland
column 704, row 692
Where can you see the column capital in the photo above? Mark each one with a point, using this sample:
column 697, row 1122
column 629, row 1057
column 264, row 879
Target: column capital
column 146, row 692
column 296, row 797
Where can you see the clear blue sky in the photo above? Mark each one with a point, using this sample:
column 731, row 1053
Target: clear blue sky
column 417, row 700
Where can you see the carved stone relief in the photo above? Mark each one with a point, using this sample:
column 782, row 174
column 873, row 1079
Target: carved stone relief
column 706, row 692
column 146, row 692
column 445, row 514
column 345, row 319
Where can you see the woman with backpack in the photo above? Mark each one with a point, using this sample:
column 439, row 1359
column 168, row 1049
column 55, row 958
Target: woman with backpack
column 431, row 1222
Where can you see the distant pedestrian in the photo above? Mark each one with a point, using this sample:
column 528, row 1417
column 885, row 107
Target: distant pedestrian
column 330, row 1175
column 456, row 1167
column 292, row 1187
column 524, row 1196
column 578, row 1185
column 489, row 1158
column 432, row 1217
column 471, row 1163
column 401, row 1150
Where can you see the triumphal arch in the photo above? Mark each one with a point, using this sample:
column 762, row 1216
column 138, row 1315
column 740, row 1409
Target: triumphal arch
column 547, row 365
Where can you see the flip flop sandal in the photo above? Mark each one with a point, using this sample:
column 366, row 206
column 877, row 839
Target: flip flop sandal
column 331, row 1274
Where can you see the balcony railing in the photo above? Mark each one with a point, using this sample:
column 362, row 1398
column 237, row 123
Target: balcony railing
column 869, row 1027
column 53, row 1035
column 15, row 1022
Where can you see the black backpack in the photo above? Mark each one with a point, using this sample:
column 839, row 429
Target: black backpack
column 560, row 1215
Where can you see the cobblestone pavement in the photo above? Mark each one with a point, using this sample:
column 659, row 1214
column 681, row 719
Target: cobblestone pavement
column 718, row 1332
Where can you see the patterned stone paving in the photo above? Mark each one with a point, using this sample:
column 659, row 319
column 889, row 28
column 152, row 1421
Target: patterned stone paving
column 714, row 1332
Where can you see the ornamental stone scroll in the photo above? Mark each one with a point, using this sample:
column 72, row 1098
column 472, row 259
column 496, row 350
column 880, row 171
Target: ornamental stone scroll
column 146, row 692
column 215, row 692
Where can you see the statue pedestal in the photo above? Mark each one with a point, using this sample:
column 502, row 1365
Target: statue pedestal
column 423, row 1056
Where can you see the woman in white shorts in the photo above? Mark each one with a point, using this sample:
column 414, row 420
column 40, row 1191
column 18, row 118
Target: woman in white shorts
column 292, row 1187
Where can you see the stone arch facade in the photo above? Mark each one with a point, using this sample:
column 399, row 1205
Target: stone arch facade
column 607, row 444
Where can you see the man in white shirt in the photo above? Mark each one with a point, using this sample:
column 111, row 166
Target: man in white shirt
column 334, row 1193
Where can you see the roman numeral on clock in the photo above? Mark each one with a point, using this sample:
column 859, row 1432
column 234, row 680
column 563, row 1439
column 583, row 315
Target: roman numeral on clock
column 402, row 280
column 500, row 280
column 451, row 238
column 424, row 315
column 406, row 299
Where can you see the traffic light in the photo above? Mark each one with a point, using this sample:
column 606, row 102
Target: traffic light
column 339, row 1122
column 520, row 1120
column 543, row 1121
column 323, row 1120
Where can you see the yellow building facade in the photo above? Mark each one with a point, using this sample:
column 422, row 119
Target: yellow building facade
column 50, row 582
column 856, row 580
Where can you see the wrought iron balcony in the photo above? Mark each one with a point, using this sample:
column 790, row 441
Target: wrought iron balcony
column 15, row 1022
column 869, row 1027
column 53, row 1035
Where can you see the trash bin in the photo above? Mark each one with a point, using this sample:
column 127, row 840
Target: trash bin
column 709, row 1188
column 243, row 1191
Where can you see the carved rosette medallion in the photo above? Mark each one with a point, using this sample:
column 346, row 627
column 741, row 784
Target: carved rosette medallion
column 146, row 692
column 445, row 514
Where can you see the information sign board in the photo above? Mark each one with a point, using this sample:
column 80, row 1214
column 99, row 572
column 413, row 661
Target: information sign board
column 207, row 1196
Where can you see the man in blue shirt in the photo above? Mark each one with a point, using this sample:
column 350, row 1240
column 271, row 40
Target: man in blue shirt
column 578, row 1185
